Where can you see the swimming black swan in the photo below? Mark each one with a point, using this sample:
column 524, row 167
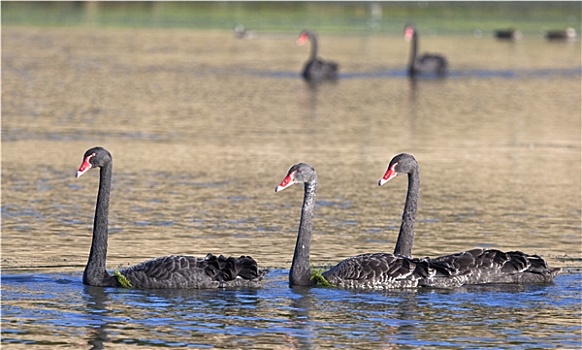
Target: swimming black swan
column 508, row 34
column 475, row 266
column 427, row 63
column 566, row 34
column 165, row 272
column 367, row 271
column 316, row 69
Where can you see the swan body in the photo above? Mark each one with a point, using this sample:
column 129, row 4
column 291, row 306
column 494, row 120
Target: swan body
column 475, row 266
column 386, row 271
column 425, row 64
column 182, row 272
column 366, row 271
column 316, row 69
column 174, row 271
column 509, row 34
column 568, row 34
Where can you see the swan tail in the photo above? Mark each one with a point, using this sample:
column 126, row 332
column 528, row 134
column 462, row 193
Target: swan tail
column 227, row 269
column 247, row 268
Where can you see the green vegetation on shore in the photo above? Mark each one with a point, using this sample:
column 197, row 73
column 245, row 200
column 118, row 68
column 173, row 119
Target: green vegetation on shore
column 330, row 17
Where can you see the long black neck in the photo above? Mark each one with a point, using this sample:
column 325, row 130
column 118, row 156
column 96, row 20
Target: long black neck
column 413, row 51
column 300, row 273
column 95, row 273
column 313, row 40
column 406, row 235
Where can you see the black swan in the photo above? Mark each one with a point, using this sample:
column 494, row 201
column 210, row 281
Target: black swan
column 475, row 266
column 316, row 69
column 367, row 271
column 508, row 34
column 425, row 64
column 566, row 34
column 164, row 272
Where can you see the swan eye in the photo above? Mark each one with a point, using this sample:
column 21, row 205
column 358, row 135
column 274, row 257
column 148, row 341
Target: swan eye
column 88, row 159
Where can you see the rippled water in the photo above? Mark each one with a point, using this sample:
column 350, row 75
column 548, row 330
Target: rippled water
column 202, row 127
column 279, row 317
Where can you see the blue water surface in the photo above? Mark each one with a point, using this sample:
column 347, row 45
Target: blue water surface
column 57, row 309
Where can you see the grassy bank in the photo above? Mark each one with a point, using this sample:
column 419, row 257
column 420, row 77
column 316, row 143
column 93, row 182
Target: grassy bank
column 331, row 17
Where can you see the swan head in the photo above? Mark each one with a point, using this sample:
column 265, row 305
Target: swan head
column 403, row 163
column 298, row 173
column 409, row 32
column 94, row 157
column 571, row 33
column 304, row 36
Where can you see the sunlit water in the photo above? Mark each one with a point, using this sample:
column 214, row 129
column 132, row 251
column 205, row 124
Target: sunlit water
column 202, row 127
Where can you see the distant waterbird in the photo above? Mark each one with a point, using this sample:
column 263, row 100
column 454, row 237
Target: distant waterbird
column 316, row 69
column 510, row 34
column 568, row 34
column 425, row 64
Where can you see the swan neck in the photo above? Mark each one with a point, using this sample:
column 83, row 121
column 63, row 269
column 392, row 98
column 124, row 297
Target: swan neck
column 95, row 272
column 313, row 40
column 300, row 273
column 413, row 52
column 406, row 235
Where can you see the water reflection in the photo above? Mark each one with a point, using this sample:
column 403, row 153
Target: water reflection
column 97, row 301
column 171, row 316
column 293, row 317
column 308, row 98
column 301, row 320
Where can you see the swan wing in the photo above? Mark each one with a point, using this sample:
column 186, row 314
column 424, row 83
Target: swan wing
column 477, row 266
column 178, row 271
column 379, row 271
